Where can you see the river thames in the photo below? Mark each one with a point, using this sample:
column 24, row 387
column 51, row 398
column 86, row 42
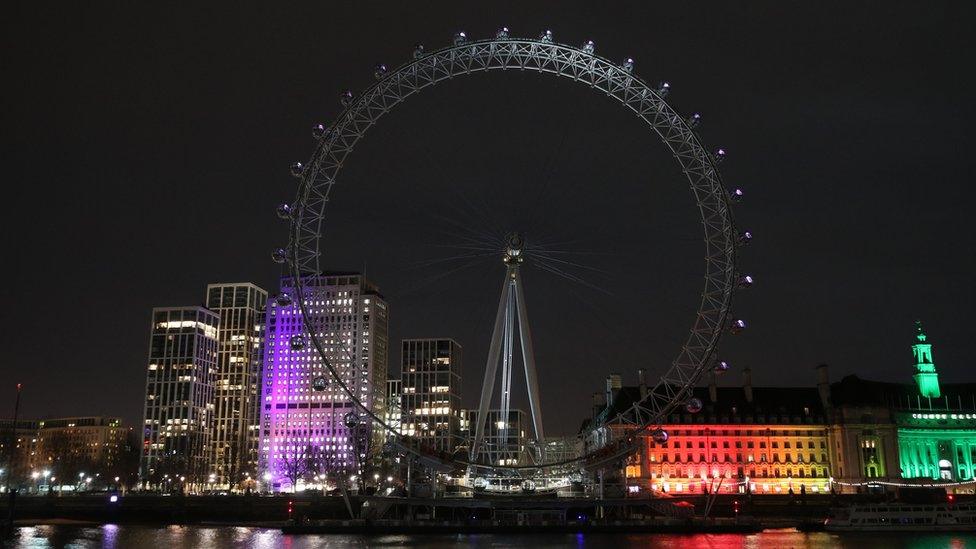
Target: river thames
column 115, row 536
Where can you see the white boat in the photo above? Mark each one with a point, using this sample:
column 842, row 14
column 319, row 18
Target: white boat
column 904, row 517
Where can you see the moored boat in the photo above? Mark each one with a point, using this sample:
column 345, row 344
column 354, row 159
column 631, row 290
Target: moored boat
column 904, row 517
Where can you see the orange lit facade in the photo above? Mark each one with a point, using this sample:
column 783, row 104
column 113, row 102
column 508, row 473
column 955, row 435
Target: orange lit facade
column 733, row 457
column 744, row 440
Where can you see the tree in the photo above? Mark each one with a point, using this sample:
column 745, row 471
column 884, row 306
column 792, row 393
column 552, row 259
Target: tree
column 296, row 465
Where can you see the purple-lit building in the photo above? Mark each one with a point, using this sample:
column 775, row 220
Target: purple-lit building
column 303, row 431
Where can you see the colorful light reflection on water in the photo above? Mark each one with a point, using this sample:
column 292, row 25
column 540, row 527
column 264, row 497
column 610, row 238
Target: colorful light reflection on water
column 112, row 536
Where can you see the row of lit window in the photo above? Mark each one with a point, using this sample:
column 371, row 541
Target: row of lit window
column 738, row 444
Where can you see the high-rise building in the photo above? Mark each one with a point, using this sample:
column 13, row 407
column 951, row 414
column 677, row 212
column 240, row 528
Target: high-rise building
column 304, row 413
column 430, row 400
column 237, row 389
column 178, row 420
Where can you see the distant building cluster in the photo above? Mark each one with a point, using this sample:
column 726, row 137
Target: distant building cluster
column 238, row 393
column 248, row 391
column 64, row 454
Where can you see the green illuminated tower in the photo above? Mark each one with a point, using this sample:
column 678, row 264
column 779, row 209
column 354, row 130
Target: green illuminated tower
column 925, row 374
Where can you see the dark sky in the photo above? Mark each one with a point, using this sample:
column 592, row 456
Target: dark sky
column 147, row 146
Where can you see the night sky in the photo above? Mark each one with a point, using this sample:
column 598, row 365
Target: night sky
column 146, row 148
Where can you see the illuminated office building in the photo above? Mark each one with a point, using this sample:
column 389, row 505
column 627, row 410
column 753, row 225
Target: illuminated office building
column 236, row 431
column 179, row 409
column 430, row 399
column 304, row 413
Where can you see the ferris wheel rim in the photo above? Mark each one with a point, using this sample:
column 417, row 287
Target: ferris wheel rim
column 599, row 73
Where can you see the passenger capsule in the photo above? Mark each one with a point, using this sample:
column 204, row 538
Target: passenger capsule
column 745, row 281
column 297, row 342
column 284, row 211
column 718, row 156
column 379, row 71
column 721, row 367
column 297, row 169
column 628, row 64
column 693, row 405
column 418, row 51
column 350, row 420
column 660, row 436
column 735, row 195
column 320, row 384
column 502, row 33
column 279, row 255
column 546, row 36
column 346, row 98
column 283, row 299
column 694, row 120
column 460, row 38
column 319, row 131
column 745, row 238
column 589, row 47
column 737, row 326
column 663, row 89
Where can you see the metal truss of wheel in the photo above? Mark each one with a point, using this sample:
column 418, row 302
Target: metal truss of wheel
column 580, row 65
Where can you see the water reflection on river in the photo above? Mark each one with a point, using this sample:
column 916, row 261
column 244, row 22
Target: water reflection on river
column 121, row 537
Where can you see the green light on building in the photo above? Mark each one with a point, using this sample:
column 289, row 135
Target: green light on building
column 925, row 374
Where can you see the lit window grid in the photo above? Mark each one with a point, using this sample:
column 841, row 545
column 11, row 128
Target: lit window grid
column 430, row 400
column 178, row 414
column 235, row 438
column 351, row 323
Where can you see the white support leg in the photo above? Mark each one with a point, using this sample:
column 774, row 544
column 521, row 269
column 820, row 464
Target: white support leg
column 491, row 368
column 528, row 359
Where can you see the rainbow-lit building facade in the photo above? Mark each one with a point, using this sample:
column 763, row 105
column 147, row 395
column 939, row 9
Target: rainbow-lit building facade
column 304, row 435
column 848, row 436
column 762, row 439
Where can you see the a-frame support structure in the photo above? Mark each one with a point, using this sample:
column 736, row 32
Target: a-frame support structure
column 511, row 307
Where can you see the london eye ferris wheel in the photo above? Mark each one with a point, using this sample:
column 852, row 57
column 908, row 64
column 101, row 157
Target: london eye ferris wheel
column 580, row 64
